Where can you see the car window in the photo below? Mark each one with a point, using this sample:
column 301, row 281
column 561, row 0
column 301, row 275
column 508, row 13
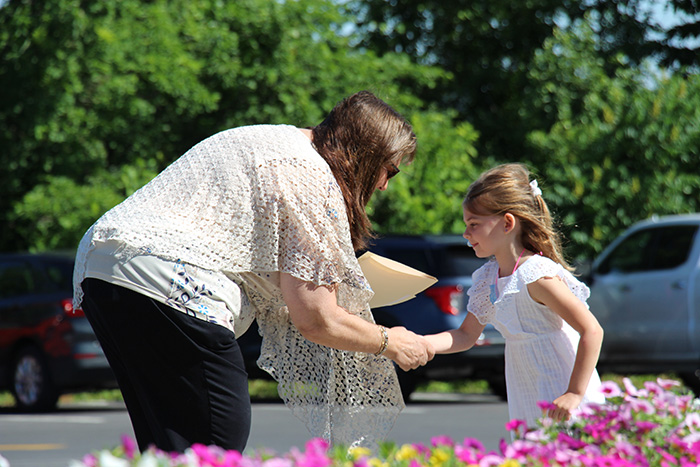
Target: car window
column 418, row 258
column 16, row 278
column 673, row 246
column 651, row 249
column 461, row 261
column 60, row 273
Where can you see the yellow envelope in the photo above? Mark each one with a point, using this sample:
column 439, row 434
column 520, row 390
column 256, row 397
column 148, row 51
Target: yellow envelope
column 391, row 281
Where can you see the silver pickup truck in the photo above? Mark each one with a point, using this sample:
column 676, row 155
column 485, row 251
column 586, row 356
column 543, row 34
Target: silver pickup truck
column 645, row 291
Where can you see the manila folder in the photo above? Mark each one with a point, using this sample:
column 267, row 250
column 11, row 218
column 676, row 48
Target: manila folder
column 391, row 281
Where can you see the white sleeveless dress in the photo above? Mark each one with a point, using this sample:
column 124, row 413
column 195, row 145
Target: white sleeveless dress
column 540, row 345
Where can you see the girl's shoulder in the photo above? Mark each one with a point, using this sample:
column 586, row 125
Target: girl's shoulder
column 485, row 271
column 539, row 266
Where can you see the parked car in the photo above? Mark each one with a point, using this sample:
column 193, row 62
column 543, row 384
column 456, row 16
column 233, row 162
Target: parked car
column 441, row 307
column 645, row 291
column 45, row 347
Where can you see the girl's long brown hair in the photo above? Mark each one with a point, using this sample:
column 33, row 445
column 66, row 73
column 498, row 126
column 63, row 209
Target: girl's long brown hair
column 358, row 138
column 506, row 189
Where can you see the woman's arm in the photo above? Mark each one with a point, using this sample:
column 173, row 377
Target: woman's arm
column 457, row 340
column 555, row 295
column 315, row 312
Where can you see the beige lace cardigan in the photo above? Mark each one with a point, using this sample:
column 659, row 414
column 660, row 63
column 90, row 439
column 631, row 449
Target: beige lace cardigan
column 252, row 202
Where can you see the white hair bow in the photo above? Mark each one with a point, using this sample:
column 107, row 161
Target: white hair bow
column 535, row 189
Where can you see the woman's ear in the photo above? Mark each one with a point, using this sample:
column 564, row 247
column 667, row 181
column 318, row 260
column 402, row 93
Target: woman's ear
column 509, row 222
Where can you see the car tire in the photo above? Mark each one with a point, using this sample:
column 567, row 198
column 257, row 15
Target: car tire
column 31, row 382
column 692, row 380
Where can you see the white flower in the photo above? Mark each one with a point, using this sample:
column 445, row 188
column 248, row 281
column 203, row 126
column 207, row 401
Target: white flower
column 107, row 459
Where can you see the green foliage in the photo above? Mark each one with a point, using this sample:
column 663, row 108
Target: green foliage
column 89, row 87
column 426, row 197
column 623, row 148
column 55, row 213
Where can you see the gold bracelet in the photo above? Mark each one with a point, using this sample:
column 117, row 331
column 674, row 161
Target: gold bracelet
column 385, row 341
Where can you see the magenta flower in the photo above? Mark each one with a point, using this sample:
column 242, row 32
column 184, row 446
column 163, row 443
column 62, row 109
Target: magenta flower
column 474, row 444
column 315, row 455
column 442, row 440
column 546, row 405
column 515, row 425
column 205, row 455
column 570, row 442
column 129, row 446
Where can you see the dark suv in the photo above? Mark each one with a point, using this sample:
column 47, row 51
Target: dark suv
column 45, row 347
column 442, row 306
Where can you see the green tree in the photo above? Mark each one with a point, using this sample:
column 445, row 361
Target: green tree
column 88, row 88
column 623, row 148
column 427, row 196
column 488, row 46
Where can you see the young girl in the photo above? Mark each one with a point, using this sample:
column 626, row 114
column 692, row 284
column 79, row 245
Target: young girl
column 529, row 294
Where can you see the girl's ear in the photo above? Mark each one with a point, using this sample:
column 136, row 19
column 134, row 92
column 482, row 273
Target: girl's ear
column 509, row 222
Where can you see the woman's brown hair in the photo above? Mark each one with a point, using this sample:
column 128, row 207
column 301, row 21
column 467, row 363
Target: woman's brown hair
column 358, row 138
column 506, row 189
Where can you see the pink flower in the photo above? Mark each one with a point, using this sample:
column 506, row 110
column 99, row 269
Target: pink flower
column 692, row 421
column 473, row 443
column 645, row 426
column 490, row 460
column 204, row 455
column 640, row 405
column 129, row 446
column 90, row 460
column 610, row 389
column 466, row 455
column 516, row 425
column 667, row 383
column 546, row 405
column 315, row 455
column 274, row 462
column 570, row 442
column 442, row 441
column 629, row 387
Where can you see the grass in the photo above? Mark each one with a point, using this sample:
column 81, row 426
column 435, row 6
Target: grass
column 264, row 390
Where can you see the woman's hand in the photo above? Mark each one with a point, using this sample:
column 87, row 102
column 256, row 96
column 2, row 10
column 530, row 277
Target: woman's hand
column 315, row 312
column 407, row 349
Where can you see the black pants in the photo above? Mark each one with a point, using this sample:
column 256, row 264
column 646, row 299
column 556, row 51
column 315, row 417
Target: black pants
column 183, row 379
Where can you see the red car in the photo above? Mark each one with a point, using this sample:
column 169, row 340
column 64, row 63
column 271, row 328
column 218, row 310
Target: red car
column 46, row 348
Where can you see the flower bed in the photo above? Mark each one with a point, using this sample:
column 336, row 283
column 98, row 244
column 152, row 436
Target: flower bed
column 652, row 426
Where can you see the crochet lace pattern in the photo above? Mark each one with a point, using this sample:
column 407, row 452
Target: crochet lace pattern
column 261, row 200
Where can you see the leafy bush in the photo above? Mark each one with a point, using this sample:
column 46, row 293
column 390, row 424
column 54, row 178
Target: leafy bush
column 653, row 426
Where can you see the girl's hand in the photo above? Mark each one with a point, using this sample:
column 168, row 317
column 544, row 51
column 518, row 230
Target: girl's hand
column 564, row 405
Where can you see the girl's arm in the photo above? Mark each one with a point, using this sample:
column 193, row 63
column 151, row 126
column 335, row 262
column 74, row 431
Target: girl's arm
column 457, row 340
column 555, row 295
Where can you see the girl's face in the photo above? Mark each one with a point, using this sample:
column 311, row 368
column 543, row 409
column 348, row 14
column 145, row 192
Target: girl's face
column 484, row 233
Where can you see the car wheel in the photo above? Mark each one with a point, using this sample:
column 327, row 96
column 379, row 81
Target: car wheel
column 31, row 383
column 692, row 380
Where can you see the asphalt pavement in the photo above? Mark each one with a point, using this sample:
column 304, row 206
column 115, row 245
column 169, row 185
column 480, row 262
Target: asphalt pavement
column 54, row 439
